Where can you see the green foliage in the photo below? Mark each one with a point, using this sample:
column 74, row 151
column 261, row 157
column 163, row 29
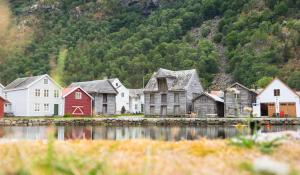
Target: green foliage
column 105, row 39
column 264, row 81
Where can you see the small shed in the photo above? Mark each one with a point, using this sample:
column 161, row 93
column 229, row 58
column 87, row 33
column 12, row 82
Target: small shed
column 208, row 105
column 77, row 102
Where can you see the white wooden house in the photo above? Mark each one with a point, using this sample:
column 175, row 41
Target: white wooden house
column 1, row 90
column 122, row 98
column 136, row 101
column 277, row 99
column 35, row 96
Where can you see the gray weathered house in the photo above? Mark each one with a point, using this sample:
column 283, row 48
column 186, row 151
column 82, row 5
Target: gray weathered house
column 170, row 93
column 238, row 99
column 208, row 105
column 104, row 95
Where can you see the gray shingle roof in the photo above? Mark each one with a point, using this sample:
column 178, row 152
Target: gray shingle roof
column 212, row 96
column 96, row 86
column 21, row 83
column 176, row 80
column 135, row 92
column 1, row 86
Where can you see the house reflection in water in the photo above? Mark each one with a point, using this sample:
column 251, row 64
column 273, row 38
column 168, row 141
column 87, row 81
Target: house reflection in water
column 75, row 133
column 24, row 133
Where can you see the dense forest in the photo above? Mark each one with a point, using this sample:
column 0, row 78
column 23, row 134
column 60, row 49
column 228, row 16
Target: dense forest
column 75, row 40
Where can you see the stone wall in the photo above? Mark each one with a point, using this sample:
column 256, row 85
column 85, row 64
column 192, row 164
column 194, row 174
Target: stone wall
column 146, row 121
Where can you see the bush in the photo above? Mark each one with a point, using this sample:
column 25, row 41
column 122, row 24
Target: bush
column 205, row 31
column 218, row 37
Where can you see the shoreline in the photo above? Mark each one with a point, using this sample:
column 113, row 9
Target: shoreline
column 140, row 121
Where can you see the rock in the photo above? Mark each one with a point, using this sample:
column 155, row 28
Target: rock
column 270, row 166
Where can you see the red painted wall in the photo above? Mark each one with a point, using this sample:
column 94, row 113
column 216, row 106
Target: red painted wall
column 85, row 102
column 1, row 107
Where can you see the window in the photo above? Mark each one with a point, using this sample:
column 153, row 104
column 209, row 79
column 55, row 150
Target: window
column 164, row 98
column 117, row 84
column 162, row 84
column 37, row 92
column 176, row 109
column 276, row 92
column 142, row 107
column 135, row 106
column 176, row 98
column 36, row 107
column 45, row 81
column 46, row 93
column 46, row 107
column 122, row 94
column 152, row 110
column 236, row 96
column 56, row 93
column 78, row 95
column 104, row 98
column 152, row 98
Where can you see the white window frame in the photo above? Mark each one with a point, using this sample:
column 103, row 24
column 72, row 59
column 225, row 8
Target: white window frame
column 37, row 107
column 122, row 94
column 56, row 93
column 37, row 92
column 46, row 81
column 46, row 107
column 78, row 95
column 46, row 93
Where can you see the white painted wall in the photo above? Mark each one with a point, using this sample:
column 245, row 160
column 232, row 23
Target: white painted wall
column 19, row 102
column 1, row 90
column 267, row 96
column 122, row 98
column 135, row 104
column 41, row 100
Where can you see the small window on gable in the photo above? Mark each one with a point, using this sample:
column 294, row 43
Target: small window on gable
column 276, row 92
column 236, row 95
column 162, row 84
column 45, row 81
column 78, row 95
column 117, row 84
column 122, row 94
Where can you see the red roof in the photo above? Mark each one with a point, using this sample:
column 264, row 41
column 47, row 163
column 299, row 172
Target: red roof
column 68, row 90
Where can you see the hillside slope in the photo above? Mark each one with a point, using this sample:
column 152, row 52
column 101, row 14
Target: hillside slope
column 76, row 40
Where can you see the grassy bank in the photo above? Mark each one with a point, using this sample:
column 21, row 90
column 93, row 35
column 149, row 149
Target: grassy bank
column 137, row 157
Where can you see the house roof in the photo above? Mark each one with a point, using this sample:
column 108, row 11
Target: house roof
column 96, row 86
column 26, row 82
column 5, row 100
column 1, row 86
column 135, row 92
column 180, row 79
column 212, row 96
column 236, row 83
column 69, row 90
column 296, row 93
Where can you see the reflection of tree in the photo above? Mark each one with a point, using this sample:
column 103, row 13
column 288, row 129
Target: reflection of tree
column 78, row 133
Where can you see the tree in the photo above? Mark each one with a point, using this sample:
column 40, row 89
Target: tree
column 263, row 82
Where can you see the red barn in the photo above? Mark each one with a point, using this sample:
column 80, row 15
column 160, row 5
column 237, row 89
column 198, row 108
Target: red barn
column 2, row 103
column 77, row 102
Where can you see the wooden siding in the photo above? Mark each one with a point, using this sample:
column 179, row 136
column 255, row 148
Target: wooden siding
column 204, row 105
column 235, row 106
column 170, row 104
column 76, row 106
column 98, row 104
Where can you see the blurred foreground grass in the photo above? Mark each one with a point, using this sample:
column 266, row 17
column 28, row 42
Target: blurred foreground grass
column 136, row 157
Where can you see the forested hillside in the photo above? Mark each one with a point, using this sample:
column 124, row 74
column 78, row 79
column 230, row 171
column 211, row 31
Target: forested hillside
column 73, row 40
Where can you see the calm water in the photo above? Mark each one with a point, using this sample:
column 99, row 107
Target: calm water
column 124, row 133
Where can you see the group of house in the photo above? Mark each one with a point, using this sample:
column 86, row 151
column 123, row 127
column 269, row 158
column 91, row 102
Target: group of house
column 42, row 96
column 177, row 93
column 168, row 93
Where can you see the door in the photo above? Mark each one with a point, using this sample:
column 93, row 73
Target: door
column 288, row 109
column 163, row 110
column 271, row 110
column 55, row 109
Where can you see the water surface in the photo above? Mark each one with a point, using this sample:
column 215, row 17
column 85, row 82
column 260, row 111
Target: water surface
column 166, row 133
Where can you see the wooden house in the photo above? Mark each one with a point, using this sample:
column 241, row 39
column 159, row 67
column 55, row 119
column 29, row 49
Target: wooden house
column 208, row 105
column 170, row 93
column 136, row 101
column 34, row 96
column 122, row 98
column 103, row 93
column 77, row 102
column 277, row 99
column 238, row 100
column 2, row 103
